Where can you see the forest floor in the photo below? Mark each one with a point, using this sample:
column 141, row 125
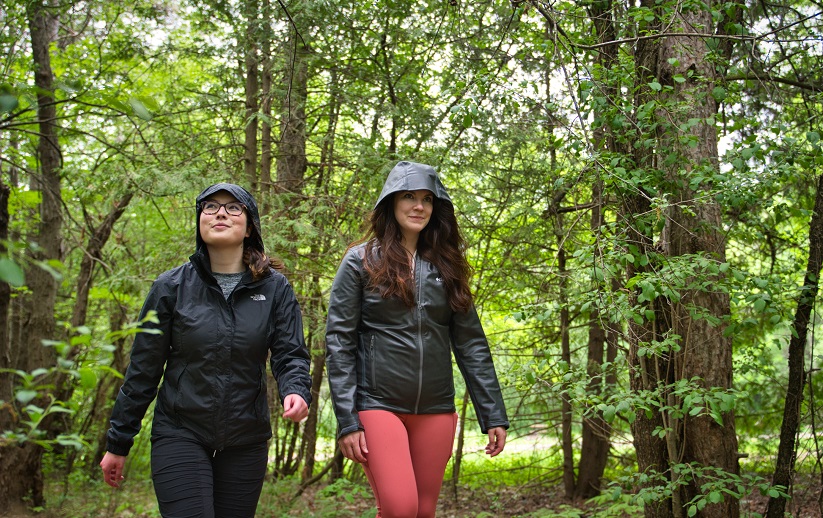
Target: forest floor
column 356, row 502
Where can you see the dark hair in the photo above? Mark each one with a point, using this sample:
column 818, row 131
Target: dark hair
column 440, row 243
column 257, row 261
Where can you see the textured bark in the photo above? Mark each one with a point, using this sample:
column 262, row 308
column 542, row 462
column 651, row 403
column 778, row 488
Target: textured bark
column 786, row 454
column 596, row 432
column 566, row 357
column 21, row 465
column 291, row 161
column 252, row 91
column 693, row 226
column 6, row 390
column 92, row 256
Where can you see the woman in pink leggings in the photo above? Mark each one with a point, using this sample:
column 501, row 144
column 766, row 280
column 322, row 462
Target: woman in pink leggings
column 400, row 309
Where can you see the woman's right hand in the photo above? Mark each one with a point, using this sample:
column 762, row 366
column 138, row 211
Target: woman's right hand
column 353, row 446
column 112, row 466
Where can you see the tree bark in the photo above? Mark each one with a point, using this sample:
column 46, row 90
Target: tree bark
column 252, row 91
column 291, row 161
column 21, row 465
column 692, row 226
column 566, row 357
column 786, row 454
column 93, row 255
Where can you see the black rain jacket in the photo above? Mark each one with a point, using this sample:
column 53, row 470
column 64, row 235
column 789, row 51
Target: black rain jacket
column 211, row 353
column 383, row 355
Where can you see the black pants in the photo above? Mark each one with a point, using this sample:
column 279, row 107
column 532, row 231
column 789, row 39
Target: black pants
column 191, row 481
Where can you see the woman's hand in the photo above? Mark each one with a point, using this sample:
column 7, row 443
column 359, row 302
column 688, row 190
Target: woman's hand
column 112, row 466
column 295, row 408
column 353, row 446
column 497, row 440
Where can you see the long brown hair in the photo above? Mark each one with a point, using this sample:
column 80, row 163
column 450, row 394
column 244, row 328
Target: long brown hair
column 257, row 261
column 440, row 243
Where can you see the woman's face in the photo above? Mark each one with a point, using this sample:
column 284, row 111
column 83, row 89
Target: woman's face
column 413, row 210
column 223, row 229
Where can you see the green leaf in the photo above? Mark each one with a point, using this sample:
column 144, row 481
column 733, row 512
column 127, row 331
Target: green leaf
column 140, row 109
column 88, row 379
column 11, row 272
column 654, row 85
column 715, row 497
column 8, row 103
column 813, row 137
column 24, row 396
column 719, row 93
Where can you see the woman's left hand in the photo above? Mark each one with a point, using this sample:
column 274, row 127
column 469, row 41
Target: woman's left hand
column 295, row 408
column 497, row 440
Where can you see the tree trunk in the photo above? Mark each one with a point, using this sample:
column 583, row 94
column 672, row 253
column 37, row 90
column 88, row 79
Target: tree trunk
column 461, row 439
column 784, row 467
column 685, row 74
column 566, row 357
column 291, row 160
column 310, row 427
column 20, row 465
column 265, row 187
column 6, row 381
column 252, row 65
column 93, row 255
column 596, row 433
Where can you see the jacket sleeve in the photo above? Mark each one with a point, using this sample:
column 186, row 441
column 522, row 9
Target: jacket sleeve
column 290, row 358
column 149, row 352
column 342, row 340
column 473, row 357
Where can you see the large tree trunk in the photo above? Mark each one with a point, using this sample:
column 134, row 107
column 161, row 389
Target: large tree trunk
column 20, row 465
column 692, row 226
column 784, row 467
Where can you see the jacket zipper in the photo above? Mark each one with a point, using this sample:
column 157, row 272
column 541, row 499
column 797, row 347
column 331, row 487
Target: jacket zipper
column 418, row 284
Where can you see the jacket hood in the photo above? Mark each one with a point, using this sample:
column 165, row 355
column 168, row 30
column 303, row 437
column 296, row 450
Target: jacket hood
column 255, row 240
column 412, row 176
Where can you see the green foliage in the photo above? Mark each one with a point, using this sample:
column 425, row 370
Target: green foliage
column 34, row 396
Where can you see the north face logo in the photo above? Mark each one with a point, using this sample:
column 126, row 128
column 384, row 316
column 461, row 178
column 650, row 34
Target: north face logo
column 258, row 296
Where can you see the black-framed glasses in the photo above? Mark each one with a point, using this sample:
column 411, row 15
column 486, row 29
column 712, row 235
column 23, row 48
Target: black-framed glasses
column 233, row 208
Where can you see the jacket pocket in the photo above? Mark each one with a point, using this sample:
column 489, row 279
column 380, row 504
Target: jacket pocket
column 177, row 401
column 261, row 407
column 371, row 364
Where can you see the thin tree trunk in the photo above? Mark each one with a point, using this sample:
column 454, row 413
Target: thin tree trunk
column 266, row 100
column 595, row 445
column 461, row 439
column 786, row 454
column 252, row 87
column 93, row 255
column 6, row 381
column 291, row 161
column 566, row 357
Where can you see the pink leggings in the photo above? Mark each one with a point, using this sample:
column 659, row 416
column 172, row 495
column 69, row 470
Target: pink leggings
column 407, row 458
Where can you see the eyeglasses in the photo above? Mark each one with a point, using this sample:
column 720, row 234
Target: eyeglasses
column 233, row 208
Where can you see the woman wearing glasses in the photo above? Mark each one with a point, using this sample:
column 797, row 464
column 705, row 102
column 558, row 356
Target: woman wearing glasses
column 217, row 318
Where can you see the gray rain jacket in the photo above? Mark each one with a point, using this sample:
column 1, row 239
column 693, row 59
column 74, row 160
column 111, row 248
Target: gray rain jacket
column 383, row 355
column 211, row 353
